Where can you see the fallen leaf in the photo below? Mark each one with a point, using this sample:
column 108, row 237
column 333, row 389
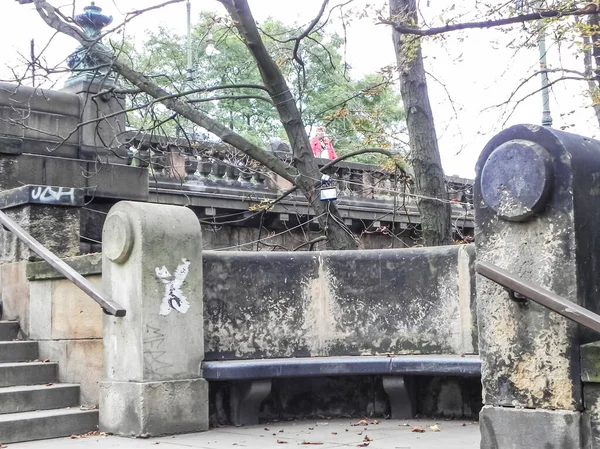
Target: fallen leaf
column 334, row 433
column 418, row 430
column 48, row 384
column 266, row 428
column 281, row 442
column 281, row 431
column 375, row 422
column 464, row 425
column 311, row 442
column 311, row 428
column 434, row 428
column 366, row 438
column 46, row 360
column 362, row 444
column 362, row 422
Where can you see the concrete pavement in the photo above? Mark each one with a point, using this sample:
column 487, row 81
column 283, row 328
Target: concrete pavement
column 325, row 434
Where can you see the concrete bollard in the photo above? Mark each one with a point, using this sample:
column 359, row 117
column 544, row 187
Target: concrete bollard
column 152, row 266
column 537, row 217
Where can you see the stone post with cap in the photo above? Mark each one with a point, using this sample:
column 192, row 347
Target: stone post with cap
column 537, row 216
column 152, row 265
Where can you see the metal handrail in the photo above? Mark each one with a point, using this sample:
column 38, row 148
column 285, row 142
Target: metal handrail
column 540, row 295
column 110, row 307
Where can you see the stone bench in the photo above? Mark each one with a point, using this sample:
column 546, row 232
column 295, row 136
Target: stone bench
column 250, row 380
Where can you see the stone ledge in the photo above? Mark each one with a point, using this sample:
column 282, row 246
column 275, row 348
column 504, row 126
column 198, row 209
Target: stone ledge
column 86, row 265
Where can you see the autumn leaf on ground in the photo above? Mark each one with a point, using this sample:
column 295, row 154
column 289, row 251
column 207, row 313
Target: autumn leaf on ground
column 364, row 444
column 366, row 438
column 334, row 433
column 375, row 422
column 281, row 442
column 434, row 428
column 311, row 442
column 362, row 422
column 418, row 430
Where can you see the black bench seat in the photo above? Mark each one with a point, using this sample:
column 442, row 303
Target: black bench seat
column 251, row 379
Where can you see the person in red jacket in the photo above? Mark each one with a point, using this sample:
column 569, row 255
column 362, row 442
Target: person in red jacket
column 322, row 146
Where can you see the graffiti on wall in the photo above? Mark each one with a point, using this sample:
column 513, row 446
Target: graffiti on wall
column 174, row 297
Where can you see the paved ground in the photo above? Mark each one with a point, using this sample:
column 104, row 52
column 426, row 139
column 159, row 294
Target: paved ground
column 389, row 434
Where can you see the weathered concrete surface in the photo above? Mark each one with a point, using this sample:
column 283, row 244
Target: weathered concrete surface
column 85, row 265
column 152, row 265
column 57, row 228
column 43, row 118
column 79, row 362
column 510, row 428
column 530, row 356
column 101, row 180
column 386, row 434
column 144, row 409
column 101, row 138
column 337, row 303
column 14, row 294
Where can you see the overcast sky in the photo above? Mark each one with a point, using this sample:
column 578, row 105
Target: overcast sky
column 471, row 72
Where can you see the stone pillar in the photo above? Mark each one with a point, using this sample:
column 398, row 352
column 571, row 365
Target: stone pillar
column 537, row 217
column 51, row 215
column 102, row 138
column 152, row 265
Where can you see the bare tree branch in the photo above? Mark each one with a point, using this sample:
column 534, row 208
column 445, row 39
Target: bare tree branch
column 549, row 14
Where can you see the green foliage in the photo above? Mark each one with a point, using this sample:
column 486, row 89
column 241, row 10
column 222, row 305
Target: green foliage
column 357, row 113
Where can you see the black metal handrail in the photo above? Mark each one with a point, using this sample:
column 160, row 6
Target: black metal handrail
column 540, row 295
column 110, row 307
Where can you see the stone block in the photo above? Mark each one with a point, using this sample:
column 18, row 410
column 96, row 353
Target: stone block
column 55, row 227
column 74, row 314
column 113, row 181
column 15, row 294
column 79, row 362
column 512, row 428
column 87, row 264
column 146, row 409
column 275, row 304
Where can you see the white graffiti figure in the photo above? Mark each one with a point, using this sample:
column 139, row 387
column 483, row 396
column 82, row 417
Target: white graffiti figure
column 174, row 298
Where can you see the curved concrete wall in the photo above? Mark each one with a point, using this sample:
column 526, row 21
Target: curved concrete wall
column 405, row 301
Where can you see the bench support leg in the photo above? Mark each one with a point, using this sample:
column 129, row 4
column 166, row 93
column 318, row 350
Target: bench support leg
column 245, row 399
column 400, row 399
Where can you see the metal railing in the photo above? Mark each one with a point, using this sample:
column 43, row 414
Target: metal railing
column 110, row 307
column 540, row 295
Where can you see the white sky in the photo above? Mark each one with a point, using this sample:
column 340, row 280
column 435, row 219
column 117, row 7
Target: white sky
column 474, row 70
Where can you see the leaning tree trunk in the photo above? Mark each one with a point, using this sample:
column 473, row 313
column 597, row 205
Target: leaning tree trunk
column 338, row 236
column 425, row 156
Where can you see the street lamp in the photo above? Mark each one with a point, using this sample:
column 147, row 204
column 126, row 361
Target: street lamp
column 520, row 6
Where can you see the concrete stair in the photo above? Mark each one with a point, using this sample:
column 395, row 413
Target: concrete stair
column 32, row 405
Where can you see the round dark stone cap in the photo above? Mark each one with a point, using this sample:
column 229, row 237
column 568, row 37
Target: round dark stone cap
column 516, row 179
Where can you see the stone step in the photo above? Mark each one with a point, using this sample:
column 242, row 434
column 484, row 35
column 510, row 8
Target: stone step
column 18, row 351
column 38, row 397
column 9, row 330
column 43, row 424
column 27, row 373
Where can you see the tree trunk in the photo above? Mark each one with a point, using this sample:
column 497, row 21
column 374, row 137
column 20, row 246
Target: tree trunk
column 425, row 156
column 338, row 236
column 590, row 49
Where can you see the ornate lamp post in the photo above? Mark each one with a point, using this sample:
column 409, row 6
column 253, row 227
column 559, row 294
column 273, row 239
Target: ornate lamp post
column 85, row 66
